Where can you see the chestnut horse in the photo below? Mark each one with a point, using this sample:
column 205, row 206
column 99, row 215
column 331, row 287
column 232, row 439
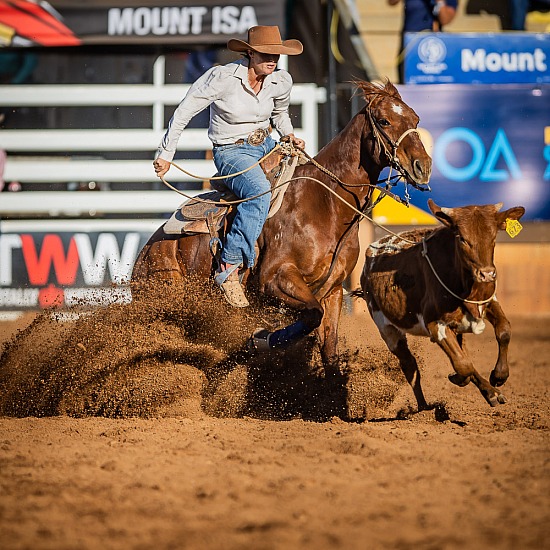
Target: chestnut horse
column 311, row 245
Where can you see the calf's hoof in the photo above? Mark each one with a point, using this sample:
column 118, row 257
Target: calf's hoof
column 459, row 380
column 497, row 381
column 495, row 398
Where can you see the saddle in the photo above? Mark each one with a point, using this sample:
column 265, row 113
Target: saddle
column 206, row 212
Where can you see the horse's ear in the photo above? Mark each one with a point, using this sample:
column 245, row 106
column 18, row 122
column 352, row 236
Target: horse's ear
column 366, row 88
column 372, row 88
column 392, row 90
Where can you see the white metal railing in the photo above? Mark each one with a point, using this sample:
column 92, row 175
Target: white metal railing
column 44, row 168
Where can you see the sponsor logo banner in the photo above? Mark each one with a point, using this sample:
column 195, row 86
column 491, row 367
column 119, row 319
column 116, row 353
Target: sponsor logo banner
column 488, row 144
column 31, row 23
column 57, row 269
column 504, row 58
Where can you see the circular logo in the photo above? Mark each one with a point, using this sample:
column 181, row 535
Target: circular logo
column 432, row 50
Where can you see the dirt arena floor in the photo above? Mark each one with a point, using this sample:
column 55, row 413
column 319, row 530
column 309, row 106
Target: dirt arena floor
column 132, row 430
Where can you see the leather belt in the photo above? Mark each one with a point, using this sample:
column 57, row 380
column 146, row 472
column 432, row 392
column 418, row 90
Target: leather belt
column 257, row 137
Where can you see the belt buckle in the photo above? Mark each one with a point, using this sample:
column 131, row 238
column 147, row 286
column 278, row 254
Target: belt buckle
column 257, row 137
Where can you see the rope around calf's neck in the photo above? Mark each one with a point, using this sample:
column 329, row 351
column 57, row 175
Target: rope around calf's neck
column 477, row 302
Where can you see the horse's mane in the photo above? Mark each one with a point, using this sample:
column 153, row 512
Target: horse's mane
column 369, row 89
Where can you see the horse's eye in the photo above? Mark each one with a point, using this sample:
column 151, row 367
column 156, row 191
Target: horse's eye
column 384, row 122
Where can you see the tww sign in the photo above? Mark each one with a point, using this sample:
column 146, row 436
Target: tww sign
column 39, row 270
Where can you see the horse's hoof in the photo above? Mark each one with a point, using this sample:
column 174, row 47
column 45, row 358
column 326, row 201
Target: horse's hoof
column 259, row 341
column 459, row 380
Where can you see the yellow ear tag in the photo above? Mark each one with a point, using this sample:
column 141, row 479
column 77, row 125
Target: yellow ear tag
column 513, row 227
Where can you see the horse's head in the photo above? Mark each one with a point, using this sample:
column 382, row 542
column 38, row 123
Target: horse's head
column 392, row 124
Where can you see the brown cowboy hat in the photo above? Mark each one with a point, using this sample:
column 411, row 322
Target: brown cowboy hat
column 266, row 40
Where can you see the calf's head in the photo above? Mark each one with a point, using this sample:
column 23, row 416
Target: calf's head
column 475, row 229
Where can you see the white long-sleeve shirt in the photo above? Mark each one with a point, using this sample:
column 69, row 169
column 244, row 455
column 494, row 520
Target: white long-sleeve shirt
column 235, row 110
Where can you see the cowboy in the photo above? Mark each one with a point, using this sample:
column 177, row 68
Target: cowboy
column 246, row 98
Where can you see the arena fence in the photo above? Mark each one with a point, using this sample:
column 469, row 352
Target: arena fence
column 36, row 158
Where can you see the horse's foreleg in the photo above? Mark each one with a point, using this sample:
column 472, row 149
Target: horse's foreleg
column 289, row 285
column 503, row 333
column 328, row 331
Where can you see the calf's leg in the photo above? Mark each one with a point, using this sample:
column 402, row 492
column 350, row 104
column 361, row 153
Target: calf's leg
column 397, row 344
column 503, row 333
column 462, row 364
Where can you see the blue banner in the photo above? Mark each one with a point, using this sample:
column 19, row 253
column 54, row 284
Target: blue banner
column 503, row 58
column 489, row 144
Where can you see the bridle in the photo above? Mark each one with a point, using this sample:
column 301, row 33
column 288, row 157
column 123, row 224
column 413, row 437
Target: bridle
column 385, row 142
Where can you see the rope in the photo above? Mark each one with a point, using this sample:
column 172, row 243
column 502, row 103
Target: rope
column 277, row 146
column 477, row 302
column 377, row 131
column 222, row 203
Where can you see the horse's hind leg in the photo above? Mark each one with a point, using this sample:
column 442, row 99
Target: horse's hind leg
column 169, row 258
column 503, row 333
column 157, row 261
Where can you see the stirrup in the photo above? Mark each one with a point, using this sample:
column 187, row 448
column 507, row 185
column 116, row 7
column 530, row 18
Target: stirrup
column 231, row 288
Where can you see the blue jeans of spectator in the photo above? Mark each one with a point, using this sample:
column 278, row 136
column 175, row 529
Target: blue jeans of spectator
column 518, row 13
column 251, row 215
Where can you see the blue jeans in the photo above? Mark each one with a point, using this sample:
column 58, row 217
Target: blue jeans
column 251, row 215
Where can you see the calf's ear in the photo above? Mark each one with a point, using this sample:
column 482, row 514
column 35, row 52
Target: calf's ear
column 444, row 215
column 514, row 213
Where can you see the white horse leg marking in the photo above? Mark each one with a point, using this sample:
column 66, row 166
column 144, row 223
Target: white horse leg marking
column 441, row 332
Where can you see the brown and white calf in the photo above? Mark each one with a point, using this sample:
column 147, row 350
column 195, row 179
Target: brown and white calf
column 441, row 283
